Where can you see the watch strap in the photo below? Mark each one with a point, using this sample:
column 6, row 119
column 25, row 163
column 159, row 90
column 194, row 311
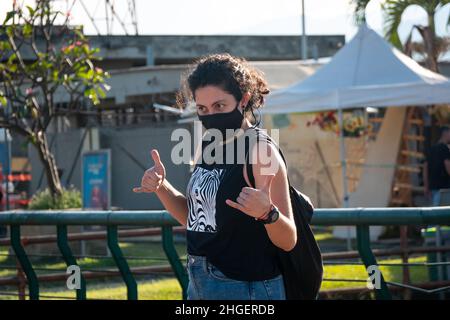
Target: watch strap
column 272, row 216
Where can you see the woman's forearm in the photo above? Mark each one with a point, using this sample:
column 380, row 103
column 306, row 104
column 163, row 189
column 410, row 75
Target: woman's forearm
column 174, row 201
column 282, row 233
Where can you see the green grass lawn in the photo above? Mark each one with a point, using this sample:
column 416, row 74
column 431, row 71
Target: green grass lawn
column 151, row 252
column 110, row 288
column 358, row 272
column 165, row 287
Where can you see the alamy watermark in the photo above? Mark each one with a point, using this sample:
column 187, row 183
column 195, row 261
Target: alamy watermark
column 374, row 279
column 219, row 150
column 74, row 279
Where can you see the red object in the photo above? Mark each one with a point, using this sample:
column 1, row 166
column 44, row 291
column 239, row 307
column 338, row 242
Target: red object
column 22, row 202
column 20, row 177
column 16, row 201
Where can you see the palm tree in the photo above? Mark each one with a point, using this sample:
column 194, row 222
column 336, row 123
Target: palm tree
column 431, row 46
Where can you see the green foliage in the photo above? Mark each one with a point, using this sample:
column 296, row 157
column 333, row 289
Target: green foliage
column 2, row 99
column 40, row 60
column 43, row 200
column 360, row 10
column 63, row 58
column 394, row 10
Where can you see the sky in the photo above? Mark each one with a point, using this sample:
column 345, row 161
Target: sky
column 237, row 17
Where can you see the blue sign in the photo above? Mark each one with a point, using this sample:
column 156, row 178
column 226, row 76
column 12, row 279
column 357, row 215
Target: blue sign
column 96, row 180
column 5, row 151
column 4, row 158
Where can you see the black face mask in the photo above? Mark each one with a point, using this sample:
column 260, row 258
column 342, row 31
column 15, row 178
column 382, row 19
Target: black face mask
column 223, row 121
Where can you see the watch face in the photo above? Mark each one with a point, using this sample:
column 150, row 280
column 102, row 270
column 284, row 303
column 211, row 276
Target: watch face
column 273, row 216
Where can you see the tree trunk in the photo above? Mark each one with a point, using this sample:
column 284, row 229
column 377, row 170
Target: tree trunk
column 49, row 163
column 429, row 37
column 429, row 41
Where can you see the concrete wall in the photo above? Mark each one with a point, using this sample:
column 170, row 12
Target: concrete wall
column 444, row 68
column 130, row 149
column 148, row 80
column 64, row 147
column 132, row 51
column 180, row 49
column 130, row 152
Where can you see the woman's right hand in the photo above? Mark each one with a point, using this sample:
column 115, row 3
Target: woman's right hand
column 153, row 177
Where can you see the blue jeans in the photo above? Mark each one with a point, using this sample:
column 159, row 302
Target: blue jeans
column 206, row 282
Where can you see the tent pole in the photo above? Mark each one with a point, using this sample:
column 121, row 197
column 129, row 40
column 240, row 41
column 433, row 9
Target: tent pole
column 304, row 41
column 345, row 202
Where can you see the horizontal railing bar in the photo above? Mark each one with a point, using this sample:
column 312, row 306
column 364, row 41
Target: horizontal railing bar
column 56, row 277
column 394, row 284
column 80, row 217
column 384, row 252
column 87, row 270
column 13, row 294
column 340, row 263
column 84, row 256
column 92, row 235
column 325, row 256
column 333, row 217
column 414, row 288
column 356, row 290
column 343, row 280
column 160, row 270
column 382, row 216
column 410, row 264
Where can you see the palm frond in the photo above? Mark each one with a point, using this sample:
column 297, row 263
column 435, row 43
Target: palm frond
column 443, row 3
column 393, row 10
column 360, row 10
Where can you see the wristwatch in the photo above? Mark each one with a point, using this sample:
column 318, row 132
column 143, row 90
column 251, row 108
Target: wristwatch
column 272, row 216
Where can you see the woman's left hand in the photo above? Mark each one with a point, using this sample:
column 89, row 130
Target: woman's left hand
column 254, row 202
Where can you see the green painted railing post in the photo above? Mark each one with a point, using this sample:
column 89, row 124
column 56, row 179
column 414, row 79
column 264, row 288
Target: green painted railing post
column 16, row 243
column 68, row 257
column 174, row 260
column 368, row 258
column 121, row 262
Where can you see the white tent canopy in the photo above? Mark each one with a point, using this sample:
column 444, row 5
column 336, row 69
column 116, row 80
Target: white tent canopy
column 366, row 72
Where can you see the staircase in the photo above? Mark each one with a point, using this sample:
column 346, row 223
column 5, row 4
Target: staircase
column 410, row 160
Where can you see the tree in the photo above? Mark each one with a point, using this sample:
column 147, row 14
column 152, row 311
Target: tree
column 40, row 62
column 432, row 45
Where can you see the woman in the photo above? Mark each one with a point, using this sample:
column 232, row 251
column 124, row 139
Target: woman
column 237, row 214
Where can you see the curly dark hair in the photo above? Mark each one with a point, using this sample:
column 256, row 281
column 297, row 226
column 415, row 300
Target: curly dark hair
column 232, row 74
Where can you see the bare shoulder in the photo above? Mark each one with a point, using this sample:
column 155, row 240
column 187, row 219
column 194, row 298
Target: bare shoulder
column 266, row 159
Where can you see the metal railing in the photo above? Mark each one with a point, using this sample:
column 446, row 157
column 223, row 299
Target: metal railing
column 361, row 218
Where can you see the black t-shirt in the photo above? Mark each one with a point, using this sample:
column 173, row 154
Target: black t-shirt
column 437, row 174
column 231, row 240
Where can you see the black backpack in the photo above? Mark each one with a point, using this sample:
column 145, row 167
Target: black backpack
column 301, row 267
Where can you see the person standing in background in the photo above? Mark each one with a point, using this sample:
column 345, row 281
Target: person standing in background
column 437, row 167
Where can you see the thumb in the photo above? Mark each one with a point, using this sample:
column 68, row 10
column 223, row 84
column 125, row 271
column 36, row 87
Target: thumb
column 267, row 183
column 156, row 158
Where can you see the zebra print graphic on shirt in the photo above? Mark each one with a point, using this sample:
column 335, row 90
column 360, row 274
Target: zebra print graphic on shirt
column 201, row 195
